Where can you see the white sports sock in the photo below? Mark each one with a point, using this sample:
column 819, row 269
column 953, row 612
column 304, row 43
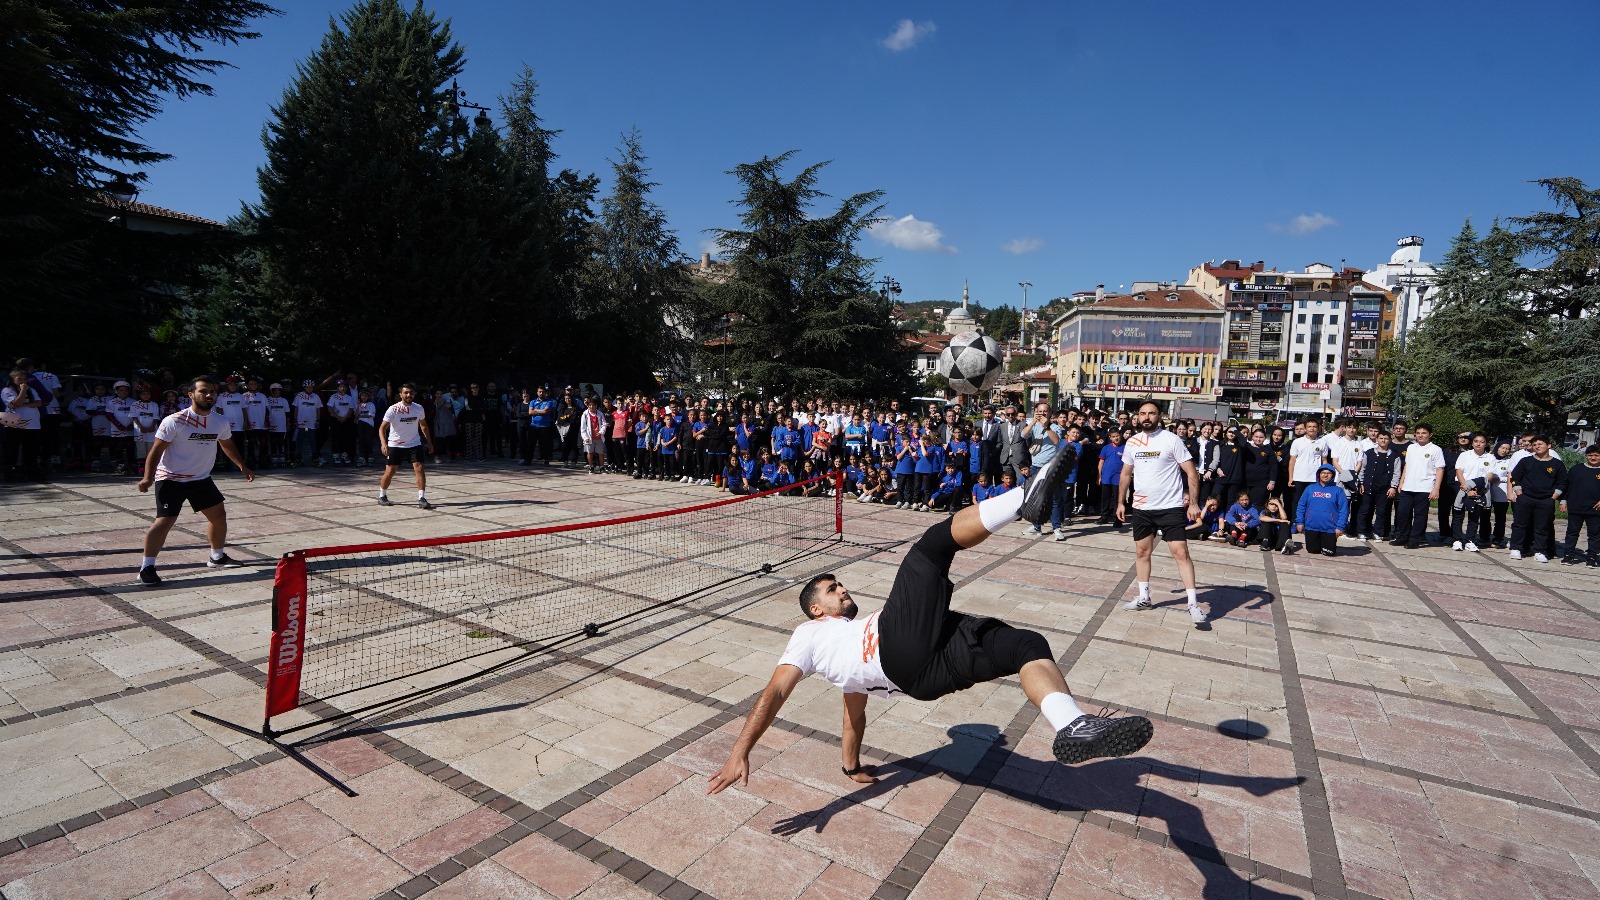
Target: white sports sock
column 217, row 554
column 1193, row 600
column 997, row 512
column 422, row 495
column 1060, row 709
column 1144, row 589
column 382, row 493
column 147, row 562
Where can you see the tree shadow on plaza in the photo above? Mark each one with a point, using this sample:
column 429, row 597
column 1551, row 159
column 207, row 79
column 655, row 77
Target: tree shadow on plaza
column 1105, row 786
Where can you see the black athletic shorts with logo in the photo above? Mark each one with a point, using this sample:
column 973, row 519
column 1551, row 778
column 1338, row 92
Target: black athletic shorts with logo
column 171, row 495
column 1171, row 523
column 405, row 456
column 929, row 651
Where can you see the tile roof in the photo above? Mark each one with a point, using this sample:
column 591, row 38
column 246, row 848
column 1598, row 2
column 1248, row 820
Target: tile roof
column 1156, row 300
column 159, row 212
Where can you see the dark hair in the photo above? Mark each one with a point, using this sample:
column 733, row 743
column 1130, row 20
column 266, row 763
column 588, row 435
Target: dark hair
column 409, row 384
column 1592, row 448
column 208, row 379
column 808, row 594
column 1423, row 426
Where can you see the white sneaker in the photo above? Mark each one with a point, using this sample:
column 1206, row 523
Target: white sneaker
column 1471, row 547
column 1033, row 531
column 1060, row 535
column 1138, row 603
column 1364, row 539
column 1540, row 557
column 863, row 499
column 1516, row 554
column 1456, row 546
column 1197, row 614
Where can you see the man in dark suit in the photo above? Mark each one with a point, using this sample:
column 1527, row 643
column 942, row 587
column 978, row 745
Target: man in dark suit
column 987, row 431
column 1013, row 442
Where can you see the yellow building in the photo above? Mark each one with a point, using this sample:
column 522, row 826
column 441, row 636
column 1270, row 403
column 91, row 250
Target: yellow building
column 1159, row 345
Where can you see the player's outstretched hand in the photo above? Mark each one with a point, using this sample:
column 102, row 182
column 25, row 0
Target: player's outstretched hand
column 249, row 473
column 736, row 769
column 1122, row 514
column 144, row 484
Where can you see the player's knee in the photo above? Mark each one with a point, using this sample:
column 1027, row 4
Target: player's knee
column 1032, row 646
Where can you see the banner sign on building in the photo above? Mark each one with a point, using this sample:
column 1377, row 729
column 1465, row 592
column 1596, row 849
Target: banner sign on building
column 1155, row 334
column 1152, row 370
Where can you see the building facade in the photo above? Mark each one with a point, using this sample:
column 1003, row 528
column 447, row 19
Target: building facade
column 1125, row 348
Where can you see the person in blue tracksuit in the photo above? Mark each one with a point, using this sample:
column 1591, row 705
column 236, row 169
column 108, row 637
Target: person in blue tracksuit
column 930, row 463
column 1323, row 512
column 949, row 491
column 983, row 490
column 905, row 468
column 1242, row 522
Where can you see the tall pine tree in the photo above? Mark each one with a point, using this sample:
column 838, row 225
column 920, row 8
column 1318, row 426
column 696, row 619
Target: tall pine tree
column 807, row 319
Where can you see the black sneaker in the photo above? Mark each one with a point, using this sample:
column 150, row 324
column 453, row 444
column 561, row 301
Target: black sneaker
column 385, row 501
column 1594, row 562
column 1091, row 736
column 1572, row 560
column 424, row 504
column 1042, row 487
column 223, row 562
column 147, row 575
column 1327, row 552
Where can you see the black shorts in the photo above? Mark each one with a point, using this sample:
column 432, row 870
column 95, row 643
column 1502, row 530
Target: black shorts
column 170, row 496
column 1171, row 523
column 405, row 456
column 929, row 651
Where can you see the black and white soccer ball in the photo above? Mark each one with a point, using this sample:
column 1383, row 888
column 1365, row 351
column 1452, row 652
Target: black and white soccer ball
column 972, row 362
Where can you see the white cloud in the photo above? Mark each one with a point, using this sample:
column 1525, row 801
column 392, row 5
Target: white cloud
column 1022, row 245
column 1303, row 224
column 911, row 233
column 907, row 34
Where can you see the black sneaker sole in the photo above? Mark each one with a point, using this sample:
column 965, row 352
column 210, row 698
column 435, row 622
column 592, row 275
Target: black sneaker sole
column 1126, row 735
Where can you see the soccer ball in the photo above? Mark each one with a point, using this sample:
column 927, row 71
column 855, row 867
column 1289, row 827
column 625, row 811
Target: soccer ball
column 971, row 362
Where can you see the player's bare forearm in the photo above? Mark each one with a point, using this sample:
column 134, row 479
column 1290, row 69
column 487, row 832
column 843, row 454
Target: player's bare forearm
column 1123, row 483
column 855, row 728
column 232, row 452
column 151, row 461
column 773, row 696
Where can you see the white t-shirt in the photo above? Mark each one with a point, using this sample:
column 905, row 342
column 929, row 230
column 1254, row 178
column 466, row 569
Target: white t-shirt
column 340, row 406
column 146, row 415
column 1307, row 454
column 99, row 425
column 1471, row 465
column 193, row 443
column 119, row 417
column 306, row 407
column 277, row 414
column 255, row 410
column 231, row 405
column 366, row 413
column 844, row 651
column 1346, row 454
column 403, row 424
column 79, row 408
column 1157, row 460
column 29, row 414
column 53, row 385
column 1421, row 461
column 1502, row 471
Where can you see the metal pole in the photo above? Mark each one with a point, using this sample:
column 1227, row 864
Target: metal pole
column 1022, row 338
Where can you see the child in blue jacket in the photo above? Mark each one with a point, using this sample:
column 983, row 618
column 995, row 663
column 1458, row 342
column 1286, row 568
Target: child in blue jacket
column 949, row 487
column 1323, row 512
column 1242, row 521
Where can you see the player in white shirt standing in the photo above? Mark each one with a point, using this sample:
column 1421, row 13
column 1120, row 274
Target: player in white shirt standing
column 1158, row 468
column 400, row 437
column 180, row 466
column 342, row 424
column 146, row 416
column 119, row 427
column 277, row 424
column 917, row 646
column 1421, row 476
column 230, row 403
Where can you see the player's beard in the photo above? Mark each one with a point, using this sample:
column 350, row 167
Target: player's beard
column 849, row 610
column 1149, row 426
column 202, row 409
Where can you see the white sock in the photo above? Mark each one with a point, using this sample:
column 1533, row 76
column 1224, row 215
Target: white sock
column 997, row 512
column 1144, row 590
column 422, row 495
column 1193, row 600
column 217, row 554
column 147, row 562
column 1060, row 709
column 382, row 493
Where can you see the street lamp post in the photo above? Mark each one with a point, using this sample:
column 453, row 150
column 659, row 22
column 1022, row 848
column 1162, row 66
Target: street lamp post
column 1022, row 338
column 1408, row 282
column 888, row 288
column 454, row 102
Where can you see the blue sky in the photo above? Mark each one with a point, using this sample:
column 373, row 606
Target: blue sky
column 1067, row 144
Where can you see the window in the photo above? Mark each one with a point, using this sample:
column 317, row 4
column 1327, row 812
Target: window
column 1333, row 339
column 1300, row 339
column 1302, row 306
column 1299, row 357
column 1333, row 320
column 1301, row 318
column 1331, row 358
column 1316, row 318
column 1387, row 326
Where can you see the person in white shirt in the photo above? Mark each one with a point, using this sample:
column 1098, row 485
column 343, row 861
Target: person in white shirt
column 277, row 406
column 400, row 436
column 1499, row 498
column 179, row 465
column 917, row 646
column 1306, row 455
column 23, row 413
column 342, row 424
column 99, row 425
column 146, row 416
column 1421, row 476
column 257, row 451
column 119, row 427
column 307, row 424
column 1475, row 476
column 1370, row 440
column 49, row 414
column 1344, row 451
column 366, row 428
column 1159, row 470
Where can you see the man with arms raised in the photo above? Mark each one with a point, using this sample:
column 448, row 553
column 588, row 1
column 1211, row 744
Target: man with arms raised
column 400, row 436
column 179, row 465
column 918, row 647
column 1157, row 465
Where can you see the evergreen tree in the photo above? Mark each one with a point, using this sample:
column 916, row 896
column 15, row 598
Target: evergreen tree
column 80, row 79
column 808, row 319
column 1565, row 246
column 360, row 250
column 644, row 310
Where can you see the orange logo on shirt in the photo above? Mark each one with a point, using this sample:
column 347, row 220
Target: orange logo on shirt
column 869, row 642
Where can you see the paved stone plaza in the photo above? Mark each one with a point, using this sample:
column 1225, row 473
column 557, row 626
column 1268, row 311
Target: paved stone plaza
column 1391, row 723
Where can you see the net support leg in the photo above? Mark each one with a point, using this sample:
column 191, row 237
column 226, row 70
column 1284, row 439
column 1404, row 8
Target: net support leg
column 266, row 736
